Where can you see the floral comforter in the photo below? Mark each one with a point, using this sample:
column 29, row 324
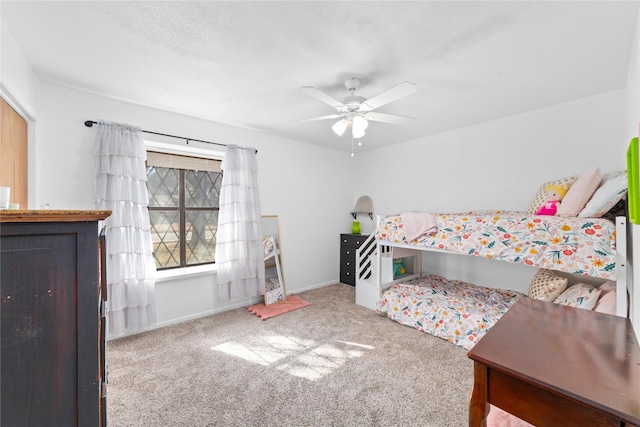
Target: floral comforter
column 574, row 245
column 458, row 312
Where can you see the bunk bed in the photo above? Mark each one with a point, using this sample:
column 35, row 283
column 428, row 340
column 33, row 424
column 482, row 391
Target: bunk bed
column 462, row 313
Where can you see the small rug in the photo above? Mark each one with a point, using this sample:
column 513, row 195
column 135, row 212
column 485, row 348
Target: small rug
column 293, row 302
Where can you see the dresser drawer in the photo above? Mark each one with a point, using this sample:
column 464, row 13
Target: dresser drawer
column 348, row 252
column 348, row 276
column 352, row 240
column 348, row 262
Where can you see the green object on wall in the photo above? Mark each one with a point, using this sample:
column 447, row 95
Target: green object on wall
column 633, row 199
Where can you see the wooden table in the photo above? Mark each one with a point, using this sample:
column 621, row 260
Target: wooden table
column 553, row 365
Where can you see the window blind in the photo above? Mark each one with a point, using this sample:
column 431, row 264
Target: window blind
column 176, row 161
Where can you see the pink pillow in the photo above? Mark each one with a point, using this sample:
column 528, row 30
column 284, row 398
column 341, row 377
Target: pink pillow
column 606, row 303
column 499, row 418
column 580, row 193
column 607, row 287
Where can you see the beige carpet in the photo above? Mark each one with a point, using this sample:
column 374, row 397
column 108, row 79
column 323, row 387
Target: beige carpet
column 332, row 363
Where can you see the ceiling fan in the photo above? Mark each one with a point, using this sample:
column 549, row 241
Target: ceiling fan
column 356, row 111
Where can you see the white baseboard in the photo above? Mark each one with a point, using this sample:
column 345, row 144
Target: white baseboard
column 237, row 304
column 312, row 287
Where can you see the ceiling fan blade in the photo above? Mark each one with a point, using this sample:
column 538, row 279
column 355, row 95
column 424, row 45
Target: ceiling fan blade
column 388, row 118
column 314, row 119
column 321, row 96
column 397, row 92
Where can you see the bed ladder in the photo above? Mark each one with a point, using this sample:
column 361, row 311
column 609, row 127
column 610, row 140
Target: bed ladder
column 367, row 272
column 364, row 259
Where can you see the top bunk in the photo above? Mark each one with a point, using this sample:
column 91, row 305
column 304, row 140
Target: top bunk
column 585, row 246
column 571, row 225
column 584, row 234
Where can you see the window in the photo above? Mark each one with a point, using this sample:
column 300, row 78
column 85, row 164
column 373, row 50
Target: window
column 184, row 195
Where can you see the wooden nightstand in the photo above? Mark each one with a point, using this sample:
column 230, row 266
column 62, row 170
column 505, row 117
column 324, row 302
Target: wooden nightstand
column 553, row 365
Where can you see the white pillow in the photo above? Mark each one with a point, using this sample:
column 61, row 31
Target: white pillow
column 606, row 196
column 579, row 295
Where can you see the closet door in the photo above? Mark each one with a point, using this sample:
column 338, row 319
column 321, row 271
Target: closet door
column 13, row 154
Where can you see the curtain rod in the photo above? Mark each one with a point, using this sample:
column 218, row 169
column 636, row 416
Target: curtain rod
column 90, row 123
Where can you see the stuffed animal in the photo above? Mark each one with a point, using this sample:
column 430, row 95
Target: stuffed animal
column 555, row 193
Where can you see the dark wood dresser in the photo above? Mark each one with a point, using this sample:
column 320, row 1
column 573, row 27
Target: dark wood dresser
column 553, row 365
column 348, row 245
column 52, row 362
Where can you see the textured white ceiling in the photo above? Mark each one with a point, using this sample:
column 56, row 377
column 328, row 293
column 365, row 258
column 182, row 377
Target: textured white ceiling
column 242, row 62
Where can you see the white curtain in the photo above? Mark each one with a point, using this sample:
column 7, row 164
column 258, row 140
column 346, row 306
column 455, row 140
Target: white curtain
column 120, row 186
column 239, row 252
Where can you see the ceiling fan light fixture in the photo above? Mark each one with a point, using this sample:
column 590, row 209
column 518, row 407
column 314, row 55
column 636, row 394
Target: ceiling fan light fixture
column 358, row 126
column 358, row 133
column 340, row 126
column 356, row 111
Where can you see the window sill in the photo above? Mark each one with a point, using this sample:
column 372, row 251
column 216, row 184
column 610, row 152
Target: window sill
column 176, row 273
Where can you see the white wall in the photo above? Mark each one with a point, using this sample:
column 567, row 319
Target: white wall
column 309, row 187
column 16, row 72
column 20, row 87
column 633, row 86
column 494, row 165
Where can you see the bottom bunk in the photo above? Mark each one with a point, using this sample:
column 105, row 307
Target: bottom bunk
column 462, row 313
column 456, row 311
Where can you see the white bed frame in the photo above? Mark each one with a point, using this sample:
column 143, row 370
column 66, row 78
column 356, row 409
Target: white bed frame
column 374, row 270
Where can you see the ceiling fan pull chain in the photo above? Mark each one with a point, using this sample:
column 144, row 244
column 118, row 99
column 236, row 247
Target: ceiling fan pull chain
column 352, row 145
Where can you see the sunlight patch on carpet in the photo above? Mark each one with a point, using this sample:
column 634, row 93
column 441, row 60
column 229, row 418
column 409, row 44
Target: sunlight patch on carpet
column 368, row 347
column 299, row 357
